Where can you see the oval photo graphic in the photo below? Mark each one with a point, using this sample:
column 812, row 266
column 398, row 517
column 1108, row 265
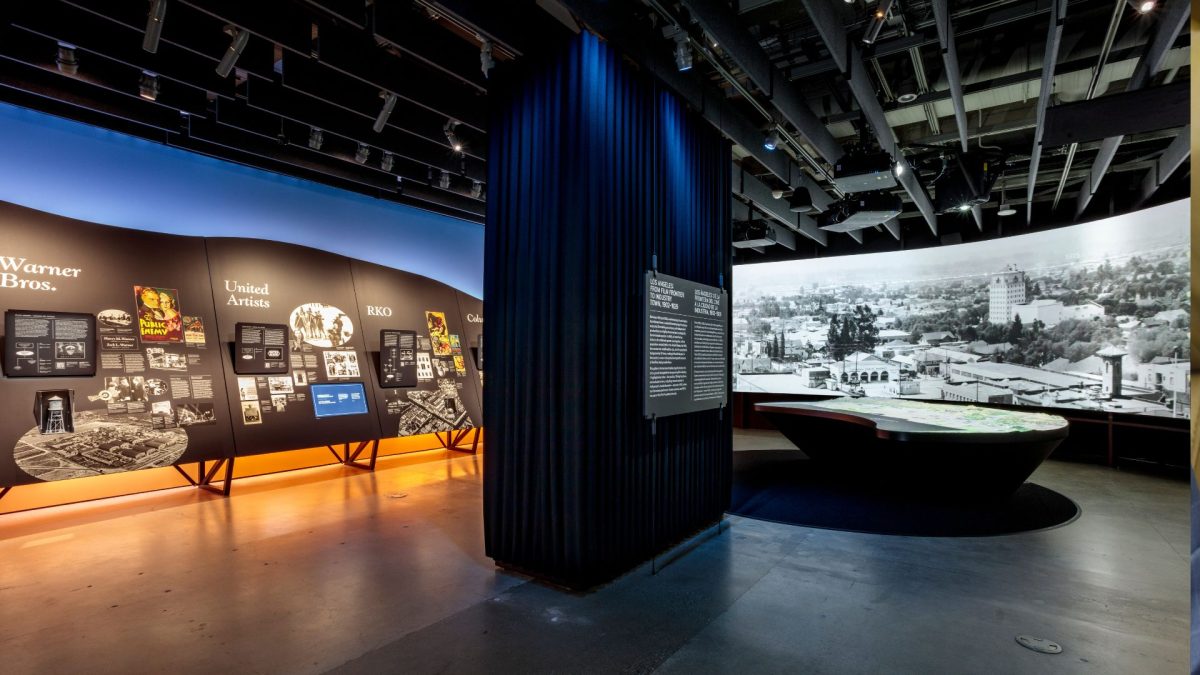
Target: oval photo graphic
column 100, row 445
column 321, row 325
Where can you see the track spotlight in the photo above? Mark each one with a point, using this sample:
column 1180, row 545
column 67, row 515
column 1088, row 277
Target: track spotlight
column 878, row 19
column 907, row 91
column 452, row 137
column 316, row 138
column 389, row 102
column 777, row 194
column 1142, row 6
column 236, row 45
column 148, row 86
column 476, row 189
column 898, row 169
column 444, row 180
column 964, row 207
column 1006, row 210
column 154, row 24
column 68, row 63
column 486, row 60
column 362, row 154
column 772, row 140
column 387, row 161
column 801, row 201
column 683, row 53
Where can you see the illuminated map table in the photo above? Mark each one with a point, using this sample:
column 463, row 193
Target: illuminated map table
column 952, row 449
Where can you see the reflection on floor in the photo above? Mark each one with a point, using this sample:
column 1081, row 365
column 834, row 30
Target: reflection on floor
column 385, row 572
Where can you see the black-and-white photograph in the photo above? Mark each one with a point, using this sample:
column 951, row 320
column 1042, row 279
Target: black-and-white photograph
column 156, row 387
column 99, row 445
column 161, row 415
column 424, row 412
column 247, row 389
column 69, row 351
column 279, row 402
column 321, row 325
column 124, row 389
column 341, row 364
column 191, row 414
column 115, row 318
column 424, row 366
column 300, row 378
column 1093, row 316
column 160, row 358
column 280, row 384
column 251, row 412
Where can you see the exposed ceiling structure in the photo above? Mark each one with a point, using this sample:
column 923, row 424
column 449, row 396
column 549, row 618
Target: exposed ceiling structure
column 389, row 97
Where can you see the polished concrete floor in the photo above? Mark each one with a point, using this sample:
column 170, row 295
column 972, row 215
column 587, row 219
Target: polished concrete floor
column 331, row 568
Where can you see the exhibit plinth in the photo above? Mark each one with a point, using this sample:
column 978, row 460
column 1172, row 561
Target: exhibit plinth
column 942, row 449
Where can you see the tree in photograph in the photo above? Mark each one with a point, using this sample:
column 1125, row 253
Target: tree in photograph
column 1015, row 330
column 866, row 332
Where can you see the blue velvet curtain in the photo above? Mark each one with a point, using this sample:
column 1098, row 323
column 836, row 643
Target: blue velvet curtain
column 593, row 170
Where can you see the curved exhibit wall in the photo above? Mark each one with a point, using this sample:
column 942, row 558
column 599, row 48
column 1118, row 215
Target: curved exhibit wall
column 79, row 171
column 120, row 349
column 1089, row 317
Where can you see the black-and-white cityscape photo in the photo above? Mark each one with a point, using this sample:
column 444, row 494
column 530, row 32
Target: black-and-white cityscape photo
column 1093, row 316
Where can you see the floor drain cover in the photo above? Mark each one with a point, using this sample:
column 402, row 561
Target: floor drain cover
column 1039, row 645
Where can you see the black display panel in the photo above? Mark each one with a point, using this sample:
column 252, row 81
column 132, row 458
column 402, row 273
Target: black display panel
column 260, row 348
column 684, row 346
column 49, row 344
column 445, row 395
column 312, row 293
column 397, row 358
column 157, row 394
column 336, row 400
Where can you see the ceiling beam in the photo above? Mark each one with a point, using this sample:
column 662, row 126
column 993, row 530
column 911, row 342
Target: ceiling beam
column 720, row 21
column 825, row 16
column 1174, row 156
column 1058, row 16
column 941, row 14
column 1171, row 21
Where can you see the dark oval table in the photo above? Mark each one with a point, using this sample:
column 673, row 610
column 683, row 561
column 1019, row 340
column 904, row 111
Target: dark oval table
column 939, row 448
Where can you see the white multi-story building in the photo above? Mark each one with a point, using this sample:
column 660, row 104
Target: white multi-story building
column 1006, row 290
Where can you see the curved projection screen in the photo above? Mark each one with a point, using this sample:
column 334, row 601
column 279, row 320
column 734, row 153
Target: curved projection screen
column 1093, row 316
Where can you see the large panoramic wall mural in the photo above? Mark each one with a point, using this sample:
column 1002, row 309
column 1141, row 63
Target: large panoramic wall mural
column 1093, row 316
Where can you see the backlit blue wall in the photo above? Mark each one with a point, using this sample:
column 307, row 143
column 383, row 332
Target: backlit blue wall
column 84, row 172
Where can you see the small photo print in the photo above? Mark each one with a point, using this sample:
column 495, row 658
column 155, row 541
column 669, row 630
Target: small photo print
column 247, row 389
column 190, row 414
column 341, row 364
column 279, row 402
column 161, row 359
column 193, row 331
column 69, row 351
column 124, row 389
column 280, row 384
column 161, row 415
column 300, row 378
column 251, row 412
column 156, row 387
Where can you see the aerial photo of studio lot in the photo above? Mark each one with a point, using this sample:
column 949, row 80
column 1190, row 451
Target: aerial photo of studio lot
column 1093, row 316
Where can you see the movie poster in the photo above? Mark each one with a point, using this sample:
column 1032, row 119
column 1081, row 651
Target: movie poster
column 158, row 314
column 439, row 334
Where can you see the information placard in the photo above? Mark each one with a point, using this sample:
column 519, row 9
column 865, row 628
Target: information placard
column 684, row 346
column 260, row 348
column 397, row 358
column 49, row 344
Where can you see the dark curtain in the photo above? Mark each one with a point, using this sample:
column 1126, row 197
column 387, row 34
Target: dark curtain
column 593, row 170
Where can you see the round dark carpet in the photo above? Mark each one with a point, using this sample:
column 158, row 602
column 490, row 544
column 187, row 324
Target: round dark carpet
column 783, row 486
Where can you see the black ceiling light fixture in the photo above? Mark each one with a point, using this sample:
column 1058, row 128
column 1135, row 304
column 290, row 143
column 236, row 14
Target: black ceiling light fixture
column 66, row 60
column 476, row 189
column 237, row 43
column 772, row 140
column 389, row 103
column 154, row 25
column 362, row 154
column 148, row 85
column 316, row 138
column 387, row 161
column 444, row 180
column 683, row 50
column 486, row 60
column 801, row 201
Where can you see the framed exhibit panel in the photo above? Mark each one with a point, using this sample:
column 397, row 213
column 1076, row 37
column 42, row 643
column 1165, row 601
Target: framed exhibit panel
column 263, row 284
column 135, row 311
column 444, row 395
